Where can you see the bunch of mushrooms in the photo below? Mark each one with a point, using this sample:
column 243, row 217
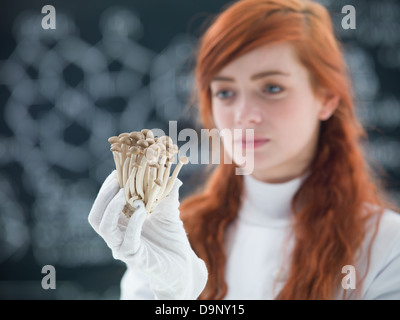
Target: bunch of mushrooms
column 143, row 164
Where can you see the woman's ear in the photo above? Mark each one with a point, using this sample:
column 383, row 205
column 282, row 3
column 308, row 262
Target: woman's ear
column 329, row 103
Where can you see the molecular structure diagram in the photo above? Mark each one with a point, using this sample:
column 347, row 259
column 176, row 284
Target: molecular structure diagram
column 67, row 97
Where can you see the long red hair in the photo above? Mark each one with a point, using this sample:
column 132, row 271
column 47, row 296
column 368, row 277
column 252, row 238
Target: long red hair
column 340, row 183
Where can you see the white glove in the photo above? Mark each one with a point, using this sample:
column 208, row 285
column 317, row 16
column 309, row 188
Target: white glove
column 154, row 244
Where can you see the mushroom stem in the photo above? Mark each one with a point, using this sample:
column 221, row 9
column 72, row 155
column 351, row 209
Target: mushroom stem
column 127, row 190
column 146, row 182
column 132, row 182
column 131, row 162
column 118, row 167
column 182, row 160
column 160, row 171
column 139, row 178
column 152, row 188
column 164, row 181
column 125, row 170
column 124, row 148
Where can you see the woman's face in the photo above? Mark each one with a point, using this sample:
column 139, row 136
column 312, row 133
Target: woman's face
column 268, row 90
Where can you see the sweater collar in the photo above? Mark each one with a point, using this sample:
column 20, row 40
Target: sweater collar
column 269, row 203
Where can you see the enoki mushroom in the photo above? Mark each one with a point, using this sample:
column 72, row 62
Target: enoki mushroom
column 143, row 163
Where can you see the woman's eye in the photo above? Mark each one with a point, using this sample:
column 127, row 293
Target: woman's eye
column 273, row 89
column 224, row 94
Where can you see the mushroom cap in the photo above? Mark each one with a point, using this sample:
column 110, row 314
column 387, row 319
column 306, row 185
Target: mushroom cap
column 136, row 135
column 150, row 140
column 184, row 159
column 126, row 140
column 166, row 140
column 116, row 147
column 172, row 149
column 150, row 154
column 113, row 139
column 155, row 147
column 142, row 143
column 123, row 134
column 149, row 134
column 134, row 150
column 161, row 146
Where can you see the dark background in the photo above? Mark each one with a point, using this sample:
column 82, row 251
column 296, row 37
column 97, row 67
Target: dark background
column 114, row 66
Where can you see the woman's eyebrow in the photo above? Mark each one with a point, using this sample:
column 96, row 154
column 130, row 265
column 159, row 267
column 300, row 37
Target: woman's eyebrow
column 254, row 76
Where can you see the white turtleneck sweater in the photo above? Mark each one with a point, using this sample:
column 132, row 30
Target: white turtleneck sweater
column 256, row 266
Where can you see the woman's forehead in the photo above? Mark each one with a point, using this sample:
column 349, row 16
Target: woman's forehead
column 276, row 59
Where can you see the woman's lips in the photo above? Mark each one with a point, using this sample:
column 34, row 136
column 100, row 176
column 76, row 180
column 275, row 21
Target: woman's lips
column 246, row 144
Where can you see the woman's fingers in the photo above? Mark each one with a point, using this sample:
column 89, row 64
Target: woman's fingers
column 122, row 234
column 168, row 208
column 109, row 228
column 107, row 192
column 133, row 232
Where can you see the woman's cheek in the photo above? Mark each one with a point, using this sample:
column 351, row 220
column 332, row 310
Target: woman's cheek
column 223, row 117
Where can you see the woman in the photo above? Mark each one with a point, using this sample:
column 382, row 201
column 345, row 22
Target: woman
column 311, row 207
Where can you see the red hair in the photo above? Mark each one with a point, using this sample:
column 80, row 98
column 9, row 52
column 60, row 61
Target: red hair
column 339, row 170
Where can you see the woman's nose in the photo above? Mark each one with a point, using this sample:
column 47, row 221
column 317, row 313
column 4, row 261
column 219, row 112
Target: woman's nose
column 247, row 114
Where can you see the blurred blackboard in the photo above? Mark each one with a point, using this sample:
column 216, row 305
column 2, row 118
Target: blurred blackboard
column 115, row 66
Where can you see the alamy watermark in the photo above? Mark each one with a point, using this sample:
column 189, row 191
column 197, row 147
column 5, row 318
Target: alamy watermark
column 349, row 280
column 349, row 20
column 49, row 20
column 49, row 280
column 238, row 145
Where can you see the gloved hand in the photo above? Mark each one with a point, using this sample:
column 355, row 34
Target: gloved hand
column 154, row 244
